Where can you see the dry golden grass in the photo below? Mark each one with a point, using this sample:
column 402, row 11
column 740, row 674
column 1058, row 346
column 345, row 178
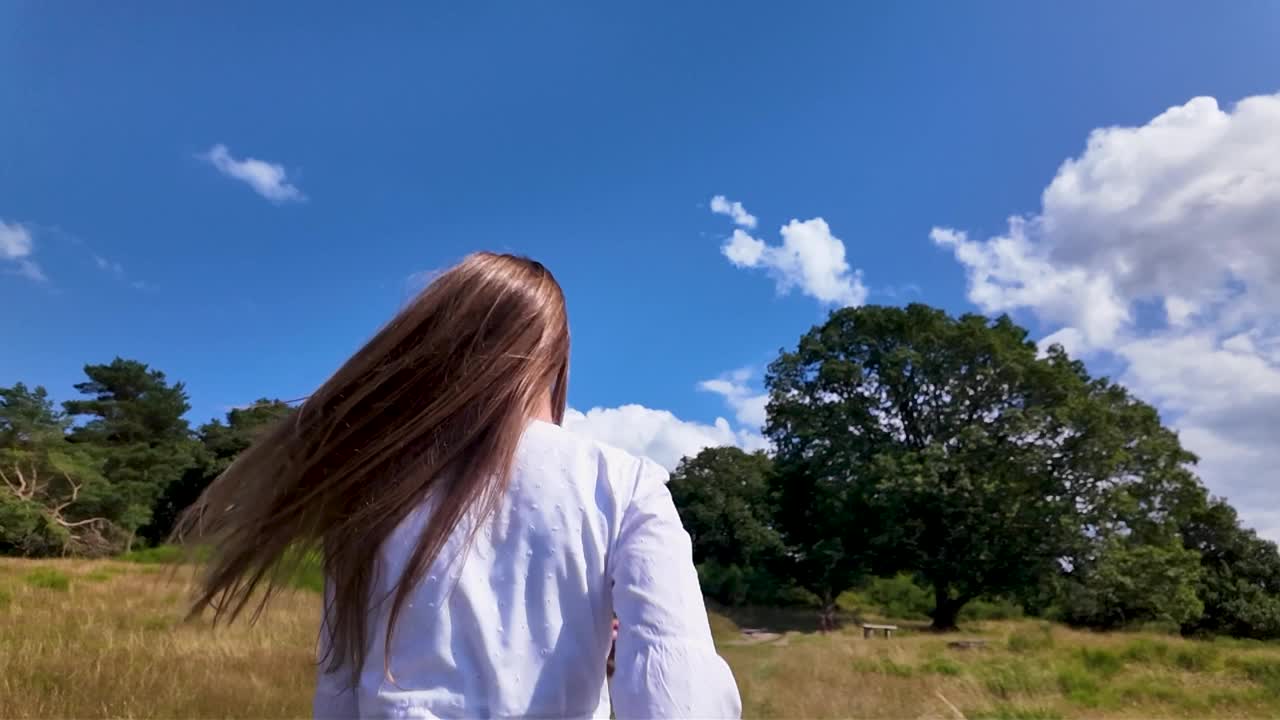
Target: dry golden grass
column 113, row 644
column 105, row 639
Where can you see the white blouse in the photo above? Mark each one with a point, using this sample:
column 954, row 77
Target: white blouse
column 520, row 626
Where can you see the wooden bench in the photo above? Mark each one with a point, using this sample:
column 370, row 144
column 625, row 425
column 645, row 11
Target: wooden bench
column 869, row 630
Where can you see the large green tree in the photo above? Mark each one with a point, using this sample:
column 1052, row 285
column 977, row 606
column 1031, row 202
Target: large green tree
column 1240, row 573
column 723, row 495
column 726, row 504
column 47, row 483
column 219, row 444
column 1131, row 582
column 908, row 439
column 135, row 417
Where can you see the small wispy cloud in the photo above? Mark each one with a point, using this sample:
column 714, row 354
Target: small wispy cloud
column 16, row 248
column 110, row 266
column 268, row 179
column 721, row 205
column 748, row 405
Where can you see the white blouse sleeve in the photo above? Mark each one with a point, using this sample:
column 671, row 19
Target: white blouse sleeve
column 666, row 663
column 335, row 698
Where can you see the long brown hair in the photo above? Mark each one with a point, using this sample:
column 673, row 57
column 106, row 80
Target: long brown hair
column 433, row 406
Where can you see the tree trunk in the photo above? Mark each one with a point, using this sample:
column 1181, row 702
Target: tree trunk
column 946, row 609
column 827, row 618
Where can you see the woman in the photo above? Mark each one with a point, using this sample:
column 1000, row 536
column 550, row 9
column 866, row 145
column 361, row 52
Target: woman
column 474, row 551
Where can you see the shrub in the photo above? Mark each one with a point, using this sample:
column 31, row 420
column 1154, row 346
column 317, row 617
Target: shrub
column 159, row 555
column 991, row 609
column 1158, row 627
column 1141, row 583
column 736, row 586
column 48, row 579
column 898, row 597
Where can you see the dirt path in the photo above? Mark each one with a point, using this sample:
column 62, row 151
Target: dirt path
column 752, row 636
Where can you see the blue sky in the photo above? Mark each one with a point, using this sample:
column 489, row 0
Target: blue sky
column 593, row 138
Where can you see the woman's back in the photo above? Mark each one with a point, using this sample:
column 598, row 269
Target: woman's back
column 520, row 625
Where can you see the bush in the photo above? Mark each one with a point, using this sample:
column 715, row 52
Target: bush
column 897, row 597
column 991, row 609
column 734, row 586
column 1135, row 583
column 48, row 579
column 158, row 555
column 1157, row 627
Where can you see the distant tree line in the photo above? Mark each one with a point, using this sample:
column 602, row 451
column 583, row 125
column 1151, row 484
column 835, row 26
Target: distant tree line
column 936, row 462
column 112, row 469
column 907, row 443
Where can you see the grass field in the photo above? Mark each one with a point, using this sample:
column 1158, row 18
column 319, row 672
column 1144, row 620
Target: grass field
column 104, row 639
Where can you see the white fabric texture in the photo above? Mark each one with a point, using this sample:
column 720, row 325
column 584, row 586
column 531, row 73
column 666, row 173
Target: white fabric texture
column 519, row 625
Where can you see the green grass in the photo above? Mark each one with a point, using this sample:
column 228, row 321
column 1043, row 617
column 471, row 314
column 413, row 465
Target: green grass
column 6, row 597
column 308, row 574
column 159, row 555
column 1010, row 677
column 1101, row 661
column 942, row 666
column 1146, row 650
column 1264, row 671
column 1033, row 639
column 1198, row 657
column 48, row 579
column 1080, row 686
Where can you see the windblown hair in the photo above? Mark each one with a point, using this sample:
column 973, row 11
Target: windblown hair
column 432, row 407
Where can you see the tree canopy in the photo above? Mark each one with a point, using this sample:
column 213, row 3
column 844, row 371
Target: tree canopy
column 909, row 439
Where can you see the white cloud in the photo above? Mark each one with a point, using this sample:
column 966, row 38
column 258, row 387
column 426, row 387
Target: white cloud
column 722, row 206
column 16, row 246
column 747, row 404
column 267, row 179
column 810, row 258
column 657, row 434
column 110, row 266
column 1181, row 214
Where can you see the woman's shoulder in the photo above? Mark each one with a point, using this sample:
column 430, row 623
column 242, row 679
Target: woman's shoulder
column 543, row 439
